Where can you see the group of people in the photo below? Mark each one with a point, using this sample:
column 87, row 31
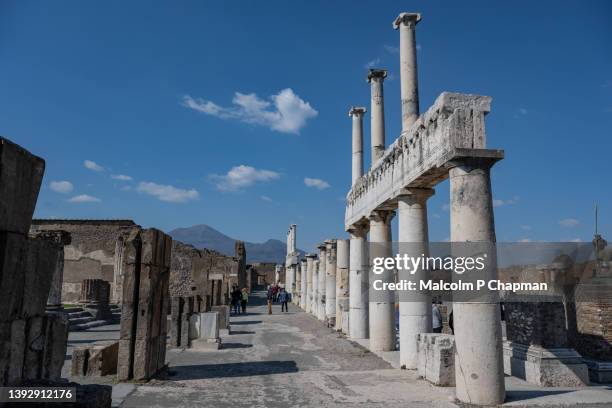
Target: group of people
column 239, row 299
column 277, row 293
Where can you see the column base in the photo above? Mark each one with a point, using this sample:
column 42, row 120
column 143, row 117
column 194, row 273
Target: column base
column 554, row 367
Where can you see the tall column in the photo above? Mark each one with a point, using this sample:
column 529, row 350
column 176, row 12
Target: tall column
column 330, row 282
column 414, row 306
column 382, row 303
column 310, row 258
column 314, row 300
column 358, row 282
column 479, row 369
column 303, row 283
column 322, row 281
column 342, row 283
column 356, row 113
column 377, row 112
column 409, row 82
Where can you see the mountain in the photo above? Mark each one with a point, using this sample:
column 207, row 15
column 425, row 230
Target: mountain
column 204, row 236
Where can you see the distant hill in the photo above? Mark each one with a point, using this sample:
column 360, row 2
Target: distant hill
column 204, row 236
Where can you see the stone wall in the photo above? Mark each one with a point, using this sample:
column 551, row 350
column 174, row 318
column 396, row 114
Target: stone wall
column 91, row 254
column 262, row 274
column 32, row 343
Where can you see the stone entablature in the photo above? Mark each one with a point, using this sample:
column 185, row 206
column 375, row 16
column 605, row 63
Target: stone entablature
column 453, row 128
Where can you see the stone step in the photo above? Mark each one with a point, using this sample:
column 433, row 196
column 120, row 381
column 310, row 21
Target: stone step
column 75, row 315
column 89, row 325
column 81, row 320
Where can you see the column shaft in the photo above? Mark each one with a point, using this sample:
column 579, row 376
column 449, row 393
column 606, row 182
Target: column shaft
column 414, row 307
column 382, row 303
column 479, row 366
column 356, row 113
column 409, row 86
column 304, row 284
column 314, row 300
column 359, row 285
column 330, row 283
column 309, row 276
column 342, row 283
column 377, row 111
column 322, row 282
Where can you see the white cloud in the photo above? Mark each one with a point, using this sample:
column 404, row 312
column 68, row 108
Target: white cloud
column 575, row 240
column 523, row 111
column 286, row 113
column 121, row 177
column 62, row 187
column 92, row 165
column 242, row 176
column 84, row 198
column 499, row 203
column 569, row 222
column 419, row 47
column 525, row 240
column 526, row 227
column 266, row 198
column 167, row 192
column 372, row 63
column 316, row 183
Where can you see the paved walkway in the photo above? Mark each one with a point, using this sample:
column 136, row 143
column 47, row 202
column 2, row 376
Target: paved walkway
column 284, row 360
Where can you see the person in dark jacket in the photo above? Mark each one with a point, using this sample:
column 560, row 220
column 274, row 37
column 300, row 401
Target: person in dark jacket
column 270, row 296
column 236, row 297
column 283, row 298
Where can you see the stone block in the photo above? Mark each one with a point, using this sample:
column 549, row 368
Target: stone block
column 56, row 339
column 95, row 361
column 176, row 320
column 13, row 258
column 42, row 257
column 194, row 326
column 21, row 174
column 545, row 367
column 224, row 318
column 209, row 325
column 206, row 344
column 599, row 371
column 345, row 322
column 436, row 358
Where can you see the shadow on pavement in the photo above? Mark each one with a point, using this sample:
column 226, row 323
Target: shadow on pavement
column 529, row 394
column 235, row 345
column 246, row 322
column 246, row 369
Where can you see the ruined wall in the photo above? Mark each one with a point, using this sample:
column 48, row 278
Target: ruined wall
column 262, row 274
column 91, row 255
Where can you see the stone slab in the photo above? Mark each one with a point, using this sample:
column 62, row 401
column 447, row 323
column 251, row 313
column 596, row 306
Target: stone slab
column 224, row 315
column 436, row 358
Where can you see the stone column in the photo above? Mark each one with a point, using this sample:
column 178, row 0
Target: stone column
column 356, row 113
column 381, row 303
column 409, row 84
column 479, row 369
column 322, row 281
column 330, row 282
column 359, row 284
column 54, row 301
column 303, row 284
column 308, row 293
column 414, row 307
column 298, row 285
column 342, row 283
column 314, row 300
column 377, row 112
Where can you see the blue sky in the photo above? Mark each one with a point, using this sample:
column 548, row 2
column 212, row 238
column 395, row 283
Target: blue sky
column 217, row 112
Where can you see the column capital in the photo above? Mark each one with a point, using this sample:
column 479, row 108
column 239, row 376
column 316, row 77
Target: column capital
column 322, row 246
column 384, row 216
column 377, row 74
column 360, row 229
column 310, row 256
column 357, row 111
column 416, row 194
column 409, row 19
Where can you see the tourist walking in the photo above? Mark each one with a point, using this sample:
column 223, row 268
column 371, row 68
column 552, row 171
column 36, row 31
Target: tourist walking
column 436, row 318
column 270, row 296
column 236, row 297
column 283, row 298
column 244, row 300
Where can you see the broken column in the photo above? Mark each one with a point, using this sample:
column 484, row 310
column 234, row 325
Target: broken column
column 377, row 112
column 94, row 298
column 142, row 345
column 436, row 358
column 95, row 361
column 32, row 342
column 308, row 293
column 182, row 307
column 479, row 366
column 322, row 281
column 342, row 285
column 330, row 282
column 414, row 306
column 356, row 113
column 406, row 23
column 359, row 283
column 382, row 303
column 54, row 301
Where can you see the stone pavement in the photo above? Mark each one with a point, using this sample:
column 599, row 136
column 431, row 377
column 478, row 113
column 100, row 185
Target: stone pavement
column 291, row 359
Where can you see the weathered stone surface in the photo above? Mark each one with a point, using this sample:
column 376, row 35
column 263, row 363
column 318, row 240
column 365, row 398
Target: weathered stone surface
column 209, row 325
column 21, row 174
column 95, row 361
column 143, row 331
column 13, row 259
column 224, row 318
column 56, row 340
column 436, row 358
